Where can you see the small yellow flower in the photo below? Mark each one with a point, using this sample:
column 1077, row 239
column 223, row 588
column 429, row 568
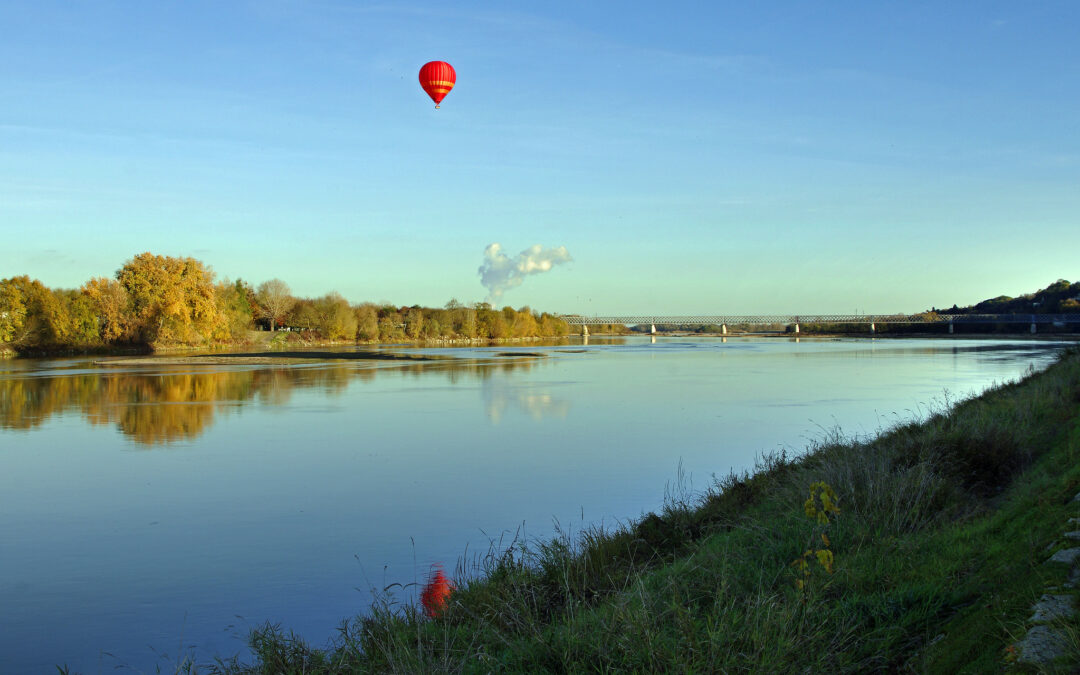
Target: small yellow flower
column 825, row 559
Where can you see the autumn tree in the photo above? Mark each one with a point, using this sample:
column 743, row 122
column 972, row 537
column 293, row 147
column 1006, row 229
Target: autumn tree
column 552, row 326
column 390, row 324
column 275, row 300
column 414, row 323
column 490, row 323
column 336, row 319
column 367, row 322
column 525, row 324
column 110, row 303
column 435, row 323
column 36, row 316
column 461, row 319
column 171, row 299
column 304, row 314
column 12, row 310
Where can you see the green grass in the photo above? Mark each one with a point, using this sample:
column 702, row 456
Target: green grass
column 939, row 554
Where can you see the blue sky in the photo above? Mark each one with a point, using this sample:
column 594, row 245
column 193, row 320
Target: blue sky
column 697, row 157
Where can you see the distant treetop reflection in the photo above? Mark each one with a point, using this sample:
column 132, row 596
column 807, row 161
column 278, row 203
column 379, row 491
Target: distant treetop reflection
column 162, row 407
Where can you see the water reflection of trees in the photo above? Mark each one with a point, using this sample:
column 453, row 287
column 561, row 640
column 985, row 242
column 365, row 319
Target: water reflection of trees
column 163, row 407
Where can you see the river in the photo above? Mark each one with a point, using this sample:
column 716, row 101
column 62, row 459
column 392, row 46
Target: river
column 153, row 511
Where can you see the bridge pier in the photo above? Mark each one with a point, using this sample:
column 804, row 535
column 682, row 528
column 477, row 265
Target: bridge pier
column 950, row 327
column 652, row 329
column 584, row 331
column 1032, row 325
column 723, row 329
column 873, row 328
column 796, row 328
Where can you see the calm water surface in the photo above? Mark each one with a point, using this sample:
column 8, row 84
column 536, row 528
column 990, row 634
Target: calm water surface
column 148, row 511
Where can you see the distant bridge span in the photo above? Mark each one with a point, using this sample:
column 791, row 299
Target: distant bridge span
column 725, row 320
column 760, row 319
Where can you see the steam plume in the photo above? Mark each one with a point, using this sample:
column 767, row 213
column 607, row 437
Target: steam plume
column 500, row 273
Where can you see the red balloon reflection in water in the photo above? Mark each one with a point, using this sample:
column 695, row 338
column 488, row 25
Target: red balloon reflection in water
column 436, row 593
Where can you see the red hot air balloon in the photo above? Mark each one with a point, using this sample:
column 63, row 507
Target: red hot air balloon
column 437, row 78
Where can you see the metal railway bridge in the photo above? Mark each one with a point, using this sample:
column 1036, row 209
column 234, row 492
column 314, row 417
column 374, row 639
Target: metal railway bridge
column 725, row 320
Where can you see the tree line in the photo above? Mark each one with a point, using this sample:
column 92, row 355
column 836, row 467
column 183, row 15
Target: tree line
column 1060, row 297
column 157, row 301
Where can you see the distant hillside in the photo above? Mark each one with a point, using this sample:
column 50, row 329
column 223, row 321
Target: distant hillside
column 1060, row 297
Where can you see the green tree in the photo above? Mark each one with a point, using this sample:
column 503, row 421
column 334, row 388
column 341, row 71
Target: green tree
column 83, row 325
column 235, row 301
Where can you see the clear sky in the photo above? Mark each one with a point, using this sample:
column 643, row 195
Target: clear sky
column 721, row 157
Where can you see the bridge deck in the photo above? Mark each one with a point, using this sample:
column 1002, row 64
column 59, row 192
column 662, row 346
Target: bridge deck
column 762, row 319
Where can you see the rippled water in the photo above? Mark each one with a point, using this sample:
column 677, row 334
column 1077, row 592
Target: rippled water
column 150, row 510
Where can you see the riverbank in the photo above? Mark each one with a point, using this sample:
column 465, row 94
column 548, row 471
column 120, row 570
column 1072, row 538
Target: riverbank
column 938, row 552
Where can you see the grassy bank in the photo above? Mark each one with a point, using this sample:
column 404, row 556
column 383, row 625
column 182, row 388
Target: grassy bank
column 257, row 340
column 931, row 564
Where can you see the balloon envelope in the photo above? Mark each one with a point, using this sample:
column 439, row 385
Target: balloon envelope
column 437, row 78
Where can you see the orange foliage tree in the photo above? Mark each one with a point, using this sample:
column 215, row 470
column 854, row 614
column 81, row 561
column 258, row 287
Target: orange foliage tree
column 172, row 300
